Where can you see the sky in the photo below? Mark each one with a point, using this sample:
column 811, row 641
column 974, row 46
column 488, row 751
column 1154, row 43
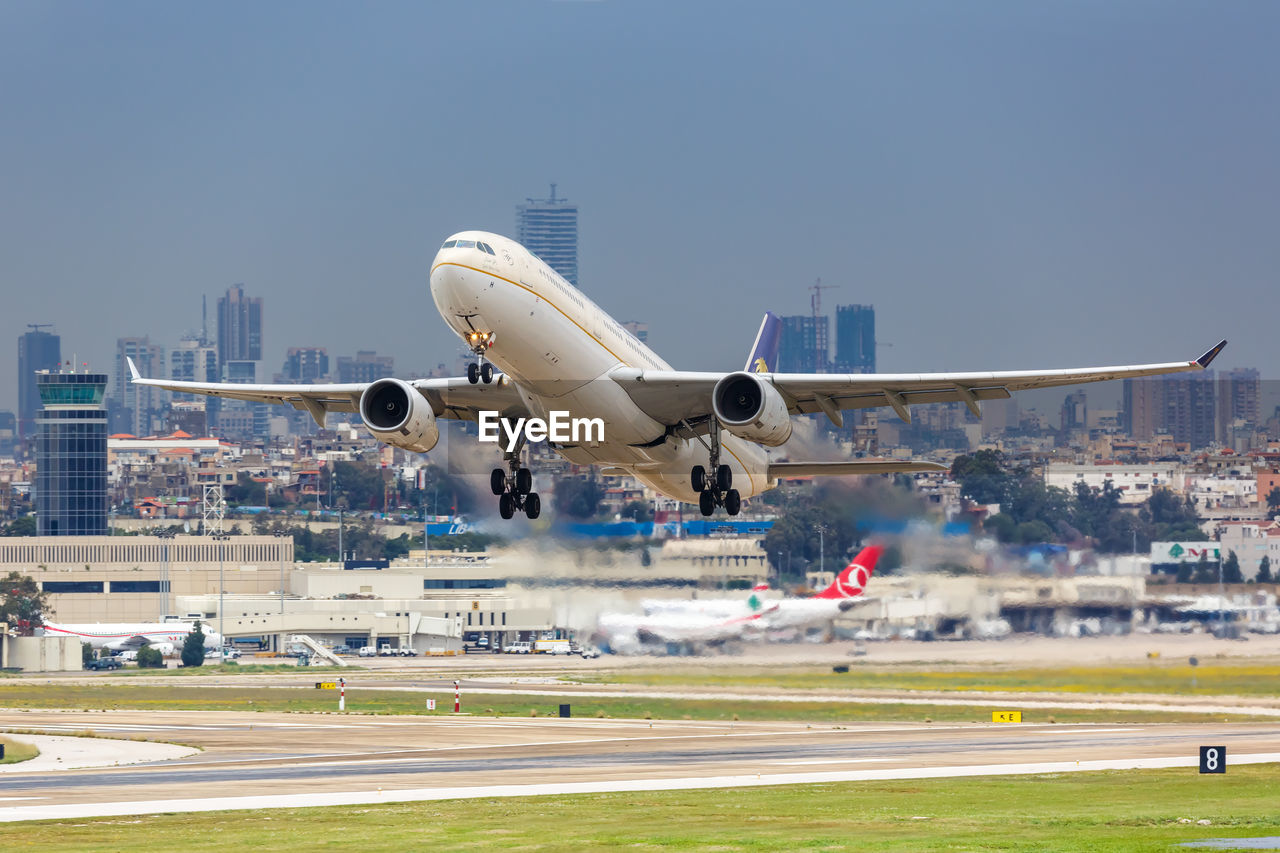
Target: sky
column 1012, row 185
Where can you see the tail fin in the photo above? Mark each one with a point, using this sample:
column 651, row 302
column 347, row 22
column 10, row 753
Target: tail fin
column 853, row 580
column 764, row 352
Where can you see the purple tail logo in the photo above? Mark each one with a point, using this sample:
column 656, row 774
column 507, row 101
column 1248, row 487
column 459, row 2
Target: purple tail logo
column 764, row 352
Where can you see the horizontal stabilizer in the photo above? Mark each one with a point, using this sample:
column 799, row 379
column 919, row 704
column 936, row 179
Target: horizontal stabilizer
column 857, row 466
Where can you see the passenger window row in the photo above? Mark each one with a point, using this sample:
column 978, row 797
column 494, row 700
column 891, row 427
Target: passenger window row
column 469, row 244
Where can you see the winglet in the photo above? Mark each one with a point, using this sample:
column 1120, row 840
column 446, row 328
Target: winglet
column 1204, row 360
column 133, row 369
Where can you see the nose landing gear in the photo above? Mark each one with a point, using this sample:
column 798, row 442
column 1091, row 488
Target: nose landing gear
column 715, row 489
column 514, row 487
column 480, row 370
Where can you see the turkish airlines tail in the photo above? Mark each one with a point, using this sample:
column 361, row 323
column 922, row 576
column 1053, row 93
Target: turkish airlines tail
column 853, row 580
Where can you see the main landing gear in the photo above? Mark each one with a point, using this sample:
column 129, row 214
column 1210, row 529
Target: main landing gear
column 480, row 370
column 514, row 487
column 715, row 489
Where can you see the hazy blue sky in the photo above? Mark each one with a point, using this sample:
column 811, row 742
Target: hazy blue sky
column 1012, row 185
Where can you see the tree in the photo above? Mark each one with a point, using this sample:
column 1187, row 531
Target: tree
column 1185, row 572
column 22, row 604
column 1231, row 569
column 86, row 654
column 193, row 647
column 578, row 498
column 22, row 526
column 982, row 476
column 1264, row 570
column 1205, row 573
column 149, row 658
column 1273, row 500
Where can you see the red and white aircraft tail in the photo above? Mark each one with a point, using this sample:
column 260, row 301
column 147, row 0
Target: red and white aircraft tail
column 851, row 582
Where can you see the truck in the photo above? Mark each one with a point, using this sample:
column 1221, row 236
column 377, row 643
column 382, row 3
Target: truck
column 552, row 647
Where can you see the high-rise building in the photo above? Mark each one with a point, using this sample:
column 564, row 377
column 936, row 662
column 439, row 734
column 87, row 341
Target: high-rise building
column 855, row 339
column 306, row 364
column 367, row 366
column 71, row 455
column 802, row 345
column 1189, row 408
column 239, row 326
column 193, row 360
column 37, row 350
column 1075, row 412
column 137, row 409
column 548, row 227
column 1237, row 401
column 1143, row 407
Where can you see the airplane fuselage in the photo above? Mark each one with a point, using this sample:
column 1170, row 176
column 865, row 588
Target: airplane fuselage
column 559, row 348
column 120, row 636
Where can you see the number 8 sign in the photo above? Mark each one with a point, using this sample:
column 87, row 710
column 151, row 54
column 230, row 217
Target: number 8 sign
column 1213, row 759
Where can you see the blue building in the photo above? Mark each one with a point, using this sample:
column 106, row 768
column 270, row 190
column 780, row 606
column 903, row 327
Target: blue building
column 548, row 227
column 71, row 455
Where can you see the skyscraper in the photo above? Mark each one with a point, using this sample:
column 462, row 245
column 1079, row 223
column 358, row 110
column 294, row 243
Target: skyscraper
column 367, row 366
column 855, row 339
column 71, row 455
column 239, row 326
column 37, row 350
column 548, row 227
column 802, row 346
column 1237, row 401
column 306, row 364
column 136, row 409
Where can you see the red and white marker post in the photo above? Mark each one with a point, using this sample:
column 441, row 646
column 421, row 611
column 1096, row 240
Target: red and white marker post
column 457, row 698
column 342, row 694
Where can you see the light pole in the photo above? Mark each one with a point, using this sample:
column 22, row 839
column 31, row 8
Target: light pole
column 166, row 537
column 222, row 587
column 822, row 562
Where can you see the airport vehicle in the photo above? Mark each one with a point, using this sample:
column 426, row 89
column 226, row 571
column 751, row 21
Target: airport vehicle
column 551, row 647
column 589, row 652
column 166, row 637
column 519, row 648
column 573, row 376
column 367, row 651
column 104, row 663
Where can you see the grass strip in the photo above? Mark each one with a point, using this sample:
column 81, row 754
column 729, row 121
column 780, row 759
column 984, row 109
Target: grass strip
column 15, row 751
column 1207, row 679
column 188, row 696
column 1108, row 811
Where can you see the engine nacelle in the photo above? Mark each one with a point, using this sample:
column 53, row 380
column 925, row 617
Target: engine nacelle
column 751, row 408
column 395, row 413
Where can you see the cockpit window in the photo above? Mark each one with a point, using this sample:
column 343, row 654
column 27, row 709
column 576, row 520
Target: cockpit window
column 466, row 244
column 484, row 247
column 449, row 244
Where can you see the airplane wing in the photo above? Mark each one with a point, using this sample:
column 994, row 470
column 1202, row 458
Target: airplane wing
column 452, row 397
column 672, row 397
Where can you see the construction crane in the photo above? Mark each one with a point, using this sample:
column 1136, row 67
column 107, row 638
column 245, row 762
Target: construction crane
column 35, row 327
column 819, row 341
column 815, row 301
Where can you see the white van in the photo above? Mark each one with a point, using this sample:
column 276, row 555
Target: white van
column 367, row 652
column 522, row 648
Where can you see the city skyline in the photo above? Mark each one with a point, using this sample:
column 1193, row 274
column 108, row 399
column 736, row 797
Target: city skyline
column 1044, row 186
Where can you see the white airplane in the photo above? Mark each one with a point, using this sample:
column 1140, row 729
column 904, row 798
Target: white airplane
column 717, row 620
column 700, row 437
column 165, row 637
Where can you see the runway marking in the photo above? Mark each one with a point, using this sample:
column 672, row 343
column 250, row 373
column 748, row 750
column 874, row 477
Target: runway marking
column 347, row 798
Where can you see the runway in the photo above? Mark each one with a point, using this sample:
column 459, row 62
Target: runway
column 258, row 760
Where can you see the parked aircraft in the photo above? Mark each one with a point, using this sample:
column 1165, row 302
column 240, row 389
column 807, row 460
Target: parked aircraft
column 700, row 437
column 166, row 637
column 716, row 620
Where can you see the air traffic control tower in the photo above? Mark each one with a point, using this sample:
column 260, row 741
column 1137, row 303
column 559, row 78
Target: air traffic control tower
column 71, row 454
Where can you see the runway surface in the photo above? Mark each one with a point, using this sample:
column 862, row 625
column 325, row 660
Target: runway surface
column 258, row 760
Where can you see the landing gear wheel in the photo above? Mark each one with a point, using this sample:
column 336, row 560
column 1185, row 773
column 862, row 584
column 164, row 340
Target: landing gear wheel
column 707, row 502
column 698, row 478
column 473, row 373
column 524, row 481
column 507, row 505
column 486, row 373
column 724, row 478
column 532, row 505
column 497, row 481
column 732, row 502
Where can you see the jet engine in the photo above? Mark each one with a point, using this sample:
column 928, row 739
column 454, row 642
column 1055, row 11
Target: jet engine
column 397, row 414
column 751, row 408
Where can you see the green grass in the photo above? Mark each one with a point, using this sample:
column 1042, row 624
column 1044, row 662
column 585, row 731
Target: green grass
column 185, row 695
column 1211, row 678
column 1112, row 811
column 14, row 751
